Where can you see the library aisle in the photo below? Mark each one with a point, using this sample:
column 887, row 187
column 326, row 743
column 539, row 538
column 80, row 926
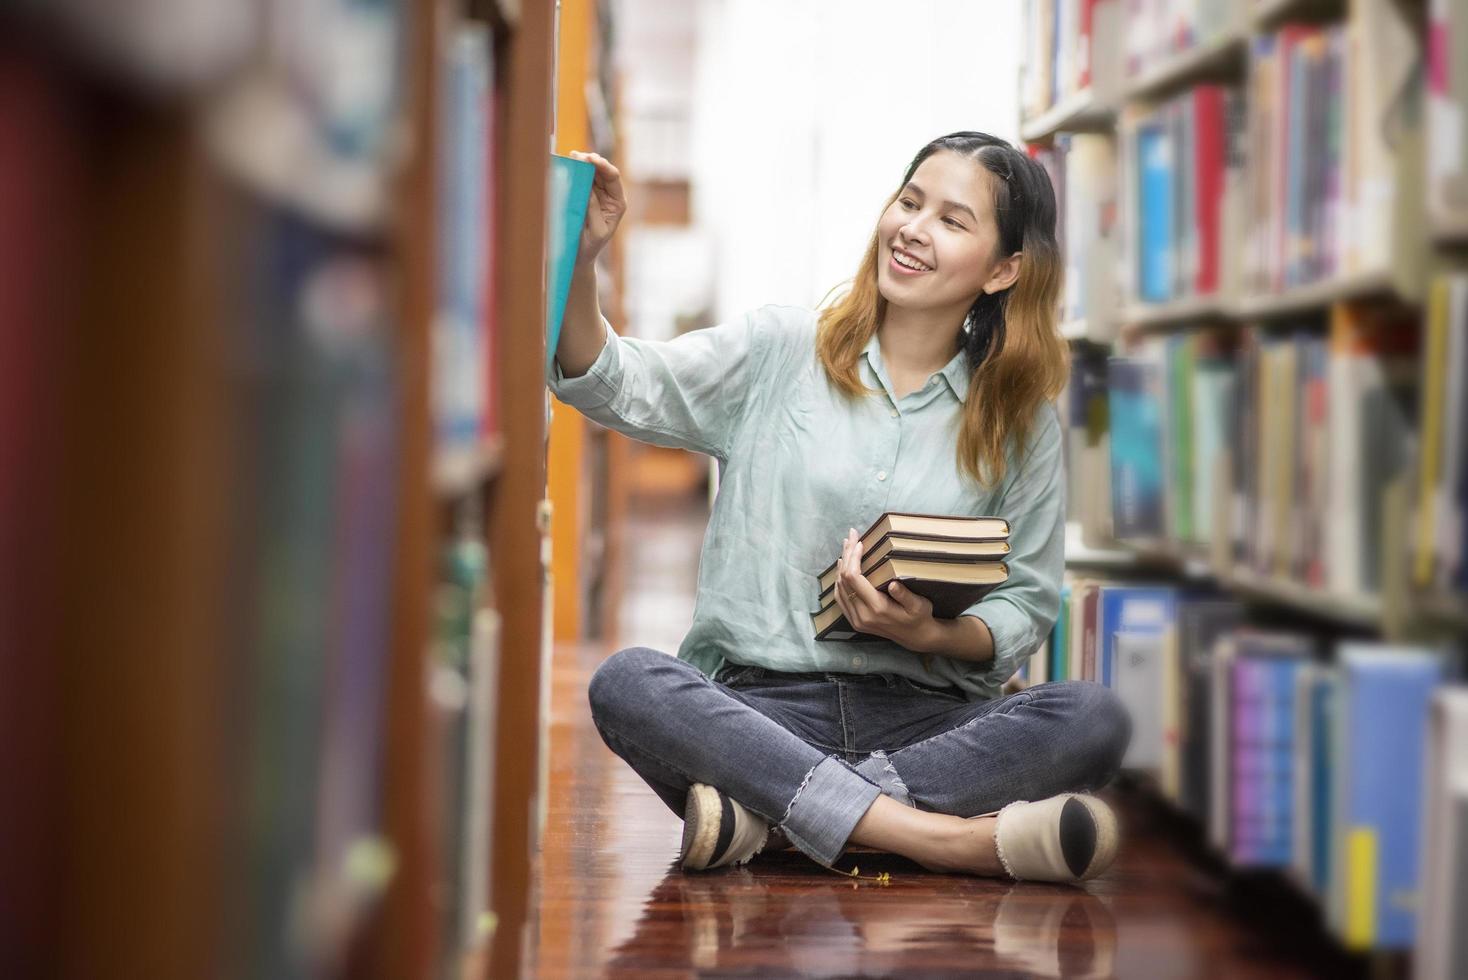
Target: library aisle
column 614, row 903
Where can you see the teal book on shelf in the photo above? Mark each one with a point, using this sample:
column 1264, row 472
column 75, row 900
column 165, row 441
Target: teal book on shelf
column 570, row 193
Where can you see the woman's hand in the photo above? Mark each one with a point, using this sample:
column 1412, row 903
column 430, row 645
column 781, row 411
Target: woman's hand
column 604, row 212
column 901, row 616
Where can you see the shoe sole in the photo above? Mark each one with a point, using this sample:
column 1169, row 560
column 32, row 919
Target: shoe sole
column 1107, row 836
column 702, row 815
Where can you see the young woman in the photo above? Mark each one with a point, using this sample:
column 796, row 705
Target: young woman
column 927, row 388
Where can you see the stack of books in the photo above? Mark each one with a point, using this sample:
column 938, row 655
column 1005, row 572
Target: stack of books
column 951, row 561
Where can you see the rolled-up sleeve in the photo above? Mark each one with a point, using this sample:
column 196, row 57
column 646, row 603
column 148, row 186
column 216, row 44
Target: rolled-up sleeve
column 687, row 392
column 1021, row 612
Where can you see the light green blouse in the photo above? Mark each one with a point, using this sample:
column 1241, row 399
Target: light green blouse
column 799, row 464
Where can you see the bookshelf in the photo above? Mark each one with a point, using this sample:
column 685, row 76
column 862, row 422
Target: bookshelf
column 460, row 471
column 1180, row 312
column 1319, row 295
column 1268, row 14
column 1078, row 113
column 252, row 514
column 1217, row 59
column 1257, row 415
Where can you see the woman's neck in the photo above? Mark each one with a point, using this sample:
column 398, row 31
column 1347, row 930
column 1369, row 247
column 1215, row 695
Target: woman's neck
column 918, row 342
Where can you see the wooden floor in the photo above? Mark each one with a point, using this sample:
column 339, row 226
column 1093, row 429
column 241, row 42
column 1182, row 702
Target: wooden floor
column 614, row 903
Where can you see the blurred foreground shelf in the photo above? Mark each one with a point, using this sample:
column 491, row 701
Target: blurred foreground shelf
column 458, row 471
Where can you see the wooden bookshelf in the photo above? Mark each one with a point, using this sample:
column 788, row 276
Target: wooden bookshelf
column 517, row 522
column 1219, row 59
column 1365, row 611
column 1082, row 112
column 1388, row 248
column 1194, row 564
column 1317, row 296
column 1189, row 310
column 1080, row 555
column 1265, row 15
column 458, row 472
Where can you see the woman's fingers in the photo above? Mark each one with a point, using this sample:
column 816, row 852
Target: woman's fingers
column 608, row 204
column 843, row 580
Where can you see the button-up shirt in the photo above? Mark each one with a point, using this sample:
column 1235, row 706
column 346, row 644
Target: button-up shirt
column 800, row 464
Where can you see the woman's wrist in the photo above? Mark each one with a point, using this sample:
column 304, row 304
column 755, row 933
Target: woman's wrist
column 932, row 636
column 963, row 638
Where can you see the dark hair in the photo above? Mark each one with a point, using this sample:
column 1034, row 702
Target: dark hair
column 1024, row 211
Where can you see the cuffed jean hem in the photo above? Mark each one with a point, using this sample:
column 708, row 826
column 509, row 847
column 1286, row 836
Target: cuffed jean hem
column 826, row 809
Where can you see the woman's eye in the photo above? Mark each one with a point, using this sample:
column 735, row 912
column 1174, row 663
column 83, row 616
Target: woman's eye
column 954, row 222
column 908, row 204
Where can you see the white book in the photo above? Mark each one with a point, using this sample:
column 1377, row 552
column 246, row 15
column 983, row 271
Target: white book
column 1442, row 942
column 1388, row 52
column 1138, row 682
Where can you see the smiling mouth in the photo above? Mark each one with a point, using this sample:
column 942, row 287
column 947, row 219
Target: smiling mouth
column 905, row 268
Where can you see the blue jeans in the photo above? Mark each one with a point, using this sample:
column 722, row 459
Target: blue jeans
column 811, row 752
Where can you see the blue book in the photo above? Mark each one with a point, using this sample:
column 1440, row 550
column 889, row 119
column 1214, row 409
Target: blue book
column 459, row 329
column 1262, row 735
column 1155, row 218
column 1322, row 766
column 570, row 195
column 1136, row 447
column 1130, row 609
column 1386, row 691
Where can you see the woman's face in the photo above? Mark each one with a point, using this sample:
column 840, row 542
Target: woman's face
column 944, row 219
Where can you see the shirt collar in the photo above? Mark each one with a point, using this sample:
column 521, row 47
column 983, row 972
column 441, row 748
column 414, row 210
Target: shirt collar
column 955, row 372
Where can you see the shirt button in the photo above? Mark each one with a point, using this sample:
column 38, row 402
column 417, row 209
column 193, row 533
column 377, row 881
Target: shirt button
column 882, row 475
column 858, row 660
column 894, row 413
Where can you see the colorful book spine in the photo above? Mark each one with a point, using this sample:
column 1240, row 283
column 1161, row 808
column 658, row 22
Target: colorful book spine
column 1136, row 448
column 1386, row 691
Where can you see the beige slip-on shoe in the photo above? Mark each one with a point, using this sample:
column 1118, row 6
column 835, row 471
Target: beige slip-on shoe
column 1068, row 838
column 718, row 830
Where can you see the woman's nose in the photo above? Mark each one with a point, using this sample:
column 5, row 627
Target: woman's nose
column 913, row 230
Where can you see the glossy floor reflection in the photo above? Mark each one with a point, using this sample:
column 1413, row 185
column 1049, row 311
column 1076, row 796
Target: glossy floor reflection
column 776, row 919
column 613, row 902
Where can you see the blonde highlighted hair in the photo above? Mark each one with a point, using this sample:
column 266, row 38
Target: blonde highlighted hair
column 1015, row 354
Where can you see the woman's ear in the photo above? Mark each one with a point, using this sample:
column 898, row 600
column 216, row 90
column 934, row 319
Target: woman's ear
column 1004, row 274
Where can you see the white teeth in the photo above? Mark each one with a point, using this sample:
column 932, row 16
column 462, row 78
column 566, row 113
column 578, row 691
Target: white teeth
column 903, row 260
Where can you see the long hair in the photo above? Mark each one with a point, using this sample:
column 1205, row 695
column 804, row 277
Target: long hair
column 1016, row 356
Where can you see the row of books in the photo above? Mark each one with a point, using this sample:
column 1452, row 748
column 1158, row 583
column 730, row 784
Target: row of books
column 1275, row 447
column 1185, row 163
column 1297, row 134
column 312, row 566
column 1082, row 169
column 317, row 452
column 1158, row 30
column 1065, row 41
column 1304, row 173
column 463, row 329
column 1329, row 120
column 1296, row 753
column 463, row 666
